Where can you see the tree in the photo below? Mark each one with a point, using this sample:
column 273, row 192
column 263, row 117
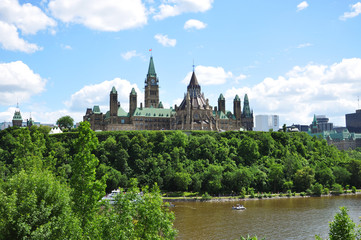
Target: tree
column 34, row 205
column 304, row 178
column 342, row 227
column 137, row 215
column 65, row 122
column 87, row 191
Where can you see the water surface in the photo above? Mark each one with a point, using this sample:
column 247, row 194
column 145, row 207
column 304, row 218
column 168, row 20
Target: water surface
column 285, row 218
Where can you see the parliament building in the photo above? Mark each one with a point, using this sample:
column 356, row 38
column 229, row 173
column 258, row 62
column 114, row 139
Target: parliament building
column 194, row 112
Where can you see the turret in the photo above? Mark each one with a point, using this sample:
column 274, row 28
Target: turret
column 221, row 104
column 132, row 102
column 113, row 102
column 237, row 107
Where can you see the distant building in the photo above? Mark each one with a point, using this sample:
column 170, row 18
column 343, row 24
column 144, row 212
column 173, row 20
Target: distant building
column 301, row 128
column 5, row 125
column 194, row 112
column 353, row 121
column 266, row 122
column 320, row 124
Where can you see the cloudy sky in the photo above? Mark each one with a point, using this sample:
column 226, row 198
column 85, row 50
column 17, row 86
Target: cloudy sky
column 293, row 58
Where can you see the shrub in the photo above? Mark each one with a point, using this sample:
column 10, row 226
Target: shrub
column 326, row 191
column 353, row 189
column 317, row 189
column 206, row 196
column 259, row 195
column 308, row 192
column 337, row 189
column 289, row 193
column 302, row 194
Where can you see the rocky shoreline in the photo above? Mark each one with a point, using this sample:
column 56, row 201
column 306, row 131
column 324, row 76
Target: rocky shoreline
column 234, row 199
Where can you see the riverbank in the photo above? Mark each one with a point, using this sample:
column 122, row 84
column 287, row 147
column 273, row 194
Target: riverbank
column 248, row 197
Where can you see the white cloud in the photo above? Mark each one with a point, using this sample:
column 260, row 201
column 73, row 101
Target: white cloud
column 10, row 40
column 240, row 78
column 18, row 82
column 176, row 7
column 193, row 23
column 305, row 91
column 356, row 10
column 303, row 5
column 165, row 41
column 130, row 54
column 209, row 75
column 28, row 18
column 303, row 45
column 66, row 47
column 105, row 15
column 98, row 94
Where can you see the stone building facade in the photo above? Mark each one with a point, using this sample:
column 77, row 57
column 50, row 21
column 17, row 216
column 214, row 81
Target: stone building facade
column 194, row 112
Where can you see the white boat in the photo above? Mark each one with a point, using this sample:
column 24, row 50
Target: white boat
column 111, row 196
column 238, row 207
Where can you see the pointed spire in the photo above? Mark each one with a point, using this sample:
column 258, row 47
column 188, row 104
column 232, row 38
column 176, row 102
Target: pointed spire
column 314, row 122
column 114, row 91
column 151, row 69
column 221, row 97
column 133, row 92
column 194, row 81
column 246, row 108
column 236, row 98
column 160, row 105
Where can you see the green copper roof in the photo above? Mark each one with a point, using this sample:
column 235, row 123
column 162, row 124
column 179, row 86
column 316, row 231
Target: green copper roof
column 160, row 105
column 237, row 98
column 246, row 108
column 133, row 92
column 221, row 97
column 151, row 69
column 96, row 109
column 221, row 115
column 17, row 116
column 121, row 112
column 314, row 122
column 153, row 112
column 113, row 90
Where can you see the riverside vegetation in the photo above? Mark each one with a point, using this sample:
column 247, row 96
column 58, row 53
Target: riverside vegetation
column 65, row 175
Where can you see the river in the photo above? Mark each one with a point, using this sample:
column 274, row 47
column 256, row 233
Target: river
column 275, row 218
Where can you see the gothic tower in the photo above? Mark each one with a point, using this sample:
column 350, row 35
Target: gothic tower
column 132, row 102
column 247, row 115
column 237, row 107
column 151, row 91
column 17, row 119
column 113, row 102
column 221, row 104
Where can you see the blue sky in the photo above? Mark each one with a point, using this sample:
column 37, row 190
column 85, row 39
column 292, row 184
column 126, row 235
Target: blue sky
column 293, row 58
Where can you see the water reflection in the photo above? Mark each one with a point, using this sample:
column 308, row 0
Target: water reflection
column 286, row 218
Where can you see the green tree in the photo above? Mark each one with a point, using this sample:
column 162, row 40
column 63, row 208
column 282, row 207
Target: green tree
column 276, row 177
column 34, row 205
column 342, row 227
column 137, row 215
column 87, row 191
column 304, row 178
column 65, row 122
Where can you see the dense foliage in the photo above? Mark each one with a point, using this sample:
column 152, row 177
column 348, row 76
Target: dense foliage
column 217, row 163
column 51, row 190
column 343, row 228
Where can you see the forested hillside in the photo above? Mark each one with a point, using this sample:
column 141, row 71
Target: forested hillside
column 197, row 161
